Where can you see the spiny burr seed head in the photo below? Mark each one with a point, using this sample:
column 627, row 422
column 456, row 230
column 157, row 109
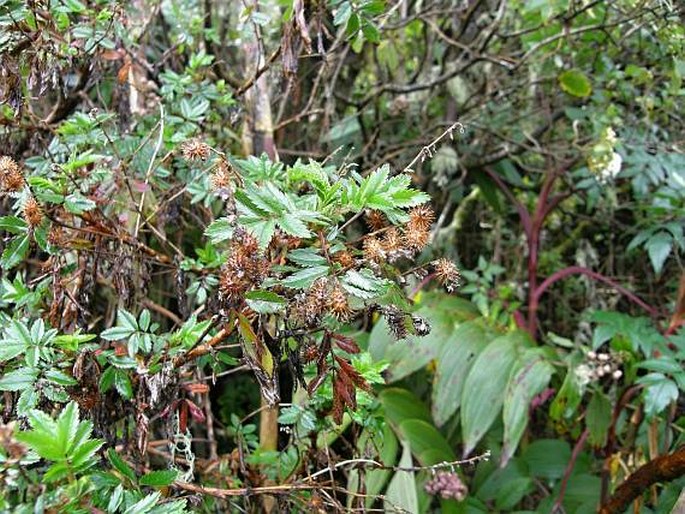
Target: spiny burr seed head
column 375, row 221
column 222, row 177
column 344, row 258
column 245, row 267
column 447, row 273
column 195, row 150
column 416, row 238
column 340, row 308
column 33, row 214
column 11, row 177
column 421, row 217
column 373, row 250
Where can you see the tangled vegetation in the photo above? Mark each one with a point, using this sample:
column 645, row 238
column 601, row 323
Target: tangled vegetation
column 342, row 256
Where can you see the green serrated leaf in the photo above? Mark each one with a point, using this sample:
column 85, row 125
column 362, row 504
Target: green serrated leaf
column 159, row 478
column 122, row 383
column 659, row 247
column 57, row 377
column 120, row 465
column 19, row 379
column 144, row 505
column 219, row 230
column 77, row 204
column 15, row 252
column 306, row 257
column 306, row 277
column 265, row 302
column 13, row 224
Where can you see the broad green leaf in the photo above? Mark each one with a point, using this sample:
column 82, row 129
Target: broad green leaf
column 458, row 353
column 425, row 439
column 598, row 418
column 569, row 396
column 547, row 458
column 659, row 393
column 575, row 83
column 485, row 384
column 401, row 494
column 159, row 478
column 496, row 480
column 377, row 478
column 401, row 404
column 530, row 376
column 662, row 364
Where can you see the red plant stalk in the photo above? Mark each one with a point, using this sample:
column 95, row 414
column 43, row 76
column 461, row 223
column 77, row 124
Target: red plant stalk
column 532, row 226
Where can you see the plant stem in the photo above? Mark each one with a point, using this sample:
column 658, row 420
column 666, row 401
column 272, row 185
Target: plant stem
column 579, row 270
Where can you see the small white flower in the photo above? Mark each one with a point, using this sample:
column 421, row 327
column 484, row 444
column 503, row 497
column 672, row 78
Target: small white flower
column 613, row 167
column 583, row 374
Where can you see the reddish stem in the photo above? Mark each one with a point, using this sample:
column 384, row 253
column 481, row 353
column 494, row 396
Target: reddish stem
column 569, row 469
column 579, row 270
column 542, row 209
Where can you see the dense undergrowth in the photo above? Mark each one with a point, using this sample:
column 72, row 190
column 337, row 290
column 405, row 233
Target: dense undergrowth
column 346, row 255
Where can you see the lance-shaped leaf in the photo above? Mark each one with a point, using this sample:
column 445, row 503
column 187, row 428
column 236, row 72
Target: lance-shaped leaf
column 485, row 385
column 530, row 376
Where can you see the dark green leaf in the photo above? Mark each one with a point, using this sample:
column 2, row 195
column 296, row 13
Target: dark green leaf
column 159, row 478
column 120, row 465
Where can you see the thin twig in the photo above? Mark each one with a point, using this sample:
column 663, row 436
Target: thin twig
column 149, row 169
column 378, row 465
column 428, row 150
